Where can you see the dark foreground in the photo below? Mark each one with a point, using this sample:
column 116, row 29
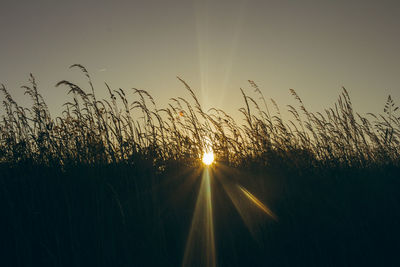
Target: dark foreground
column 123, row 215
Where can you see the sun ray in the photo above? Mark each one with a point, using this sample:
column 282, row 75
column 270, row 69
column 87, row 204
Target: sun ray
column 243, row 201
column 257, row 202
column 200, row 245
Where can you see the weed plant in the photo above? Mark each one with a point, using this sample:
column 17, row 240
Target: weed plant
column 118, row 129
column 106, row 182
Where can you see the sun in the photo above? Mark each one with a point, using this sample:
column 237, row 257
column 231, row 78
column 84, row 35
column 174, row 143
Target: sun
column 208, row 158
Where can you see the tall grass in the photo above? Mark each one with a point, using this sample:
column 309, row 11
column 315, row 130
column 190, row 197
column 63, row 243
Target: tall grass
column 112, row 182
column 119, row 129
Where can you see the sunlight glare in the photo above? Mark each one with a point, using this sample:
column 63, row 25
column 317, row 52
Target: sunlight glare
column 208, row 158
column 200, row 245
column 258, row 203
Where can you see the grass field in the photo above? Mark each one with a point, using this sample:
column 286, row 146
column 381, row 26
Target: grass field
column 120, row 182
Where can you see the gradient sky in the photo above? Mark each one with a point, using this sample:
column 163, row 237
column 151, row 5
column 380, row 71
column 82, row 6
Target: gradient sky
column 314, row 47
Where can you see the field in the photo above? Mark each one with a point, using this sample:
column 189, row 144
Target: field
column 120, row 182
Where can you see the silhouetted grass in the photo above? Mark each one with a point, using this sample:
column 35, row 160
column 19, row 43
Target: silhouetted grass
column 106, row 183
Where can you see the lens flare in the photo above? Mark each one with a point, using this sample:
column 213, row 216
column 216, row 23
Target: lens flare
column 208, row 158
column 200, row 245
column 258, row 203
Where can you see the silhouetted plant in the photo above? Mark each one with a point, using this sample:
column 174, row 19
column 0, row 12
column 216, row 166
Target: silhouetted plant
column 119, row 129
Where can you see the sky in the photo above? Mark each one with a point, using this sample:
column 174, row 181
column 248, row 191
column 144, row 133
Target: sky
column 314, row 47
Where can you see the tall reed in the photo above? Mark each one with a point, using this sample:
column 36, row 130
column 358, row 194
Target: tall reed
column 119, row 129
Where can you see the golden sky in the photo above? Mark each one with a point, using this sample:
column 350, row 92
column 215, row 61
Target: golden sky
column 314, row 47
